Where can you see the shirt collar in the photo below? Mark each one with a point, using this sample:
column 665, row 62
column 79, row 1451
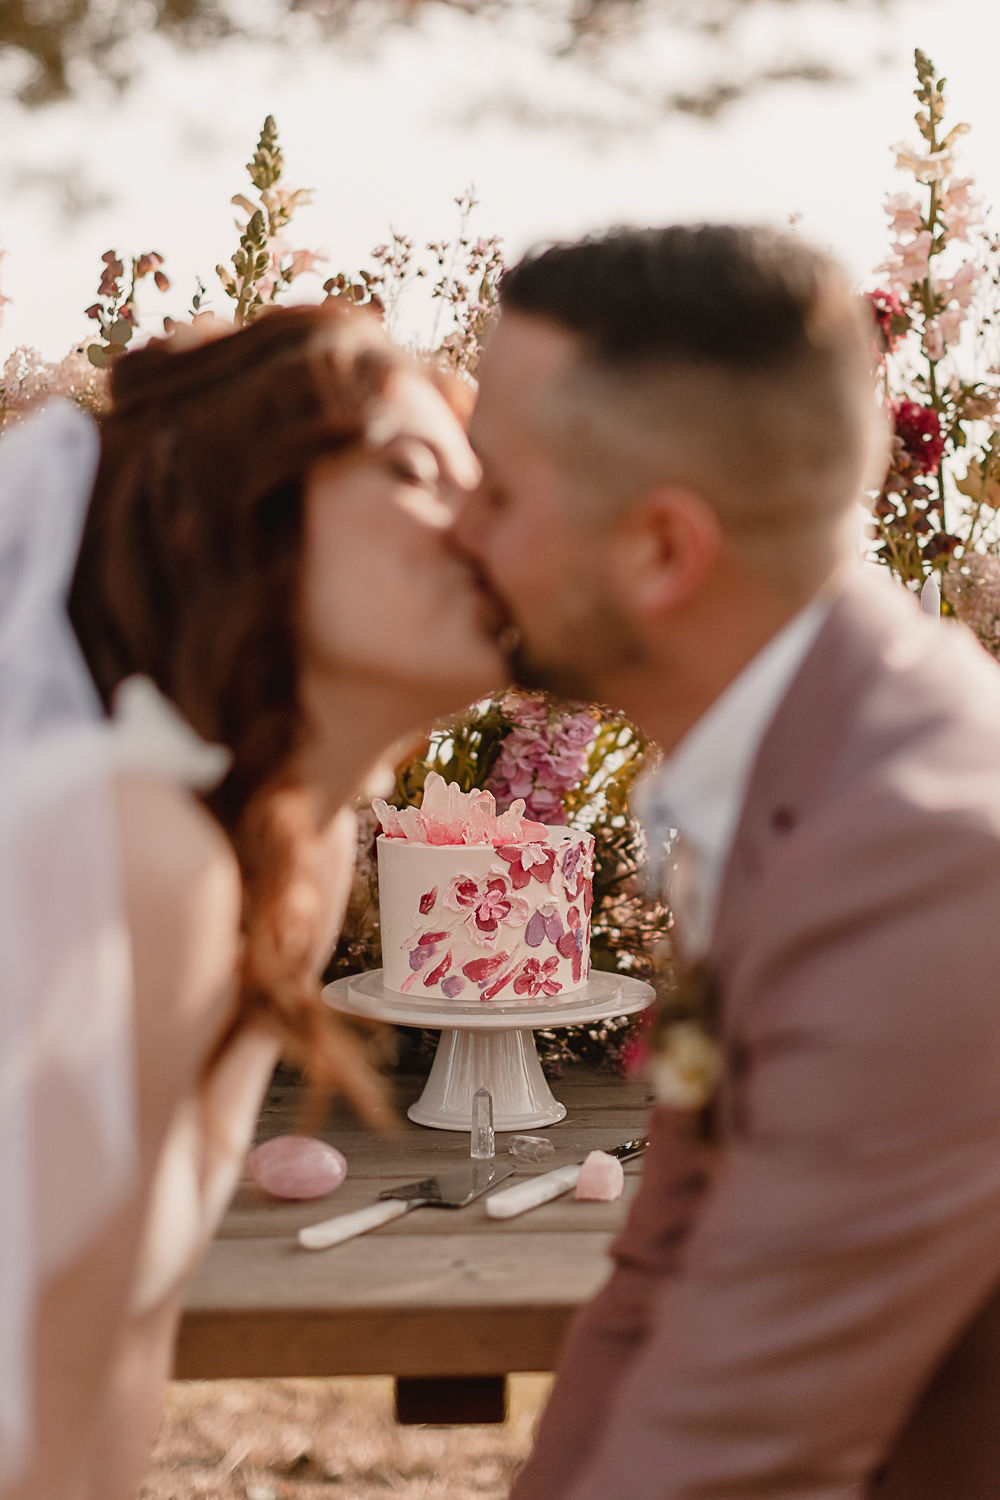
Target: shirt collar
column 701, row 788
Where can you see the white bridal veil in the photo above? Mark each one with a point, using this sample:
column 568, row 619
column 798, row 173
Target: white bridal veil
column 66, row 1109
column 68, row 1148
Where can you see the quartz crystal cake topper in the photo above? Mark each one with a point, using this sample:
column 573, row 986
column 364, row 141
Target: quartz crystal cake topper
column 448, row 815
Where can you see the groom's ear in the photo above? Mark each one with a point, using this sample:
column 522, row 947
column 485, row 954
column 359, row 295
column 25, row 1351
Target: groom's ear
column 665, row 546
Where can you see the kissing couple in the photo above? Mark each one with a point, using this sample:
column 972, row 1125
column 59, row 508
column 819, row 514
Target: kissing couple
column 276, row 555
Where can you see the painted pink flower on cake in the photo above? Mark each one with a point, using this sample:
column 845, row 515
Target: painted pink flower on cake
column 577, row 868
column 528, row 862
column 544, row 926
column 488, row 907
column 536, row 978
column 572, row 942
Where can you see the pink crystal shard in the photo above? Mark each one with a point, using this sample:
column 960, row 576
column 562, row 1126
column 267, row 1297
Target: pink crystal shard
column 297, row 1166
column 601, row 1178
column 448, row 815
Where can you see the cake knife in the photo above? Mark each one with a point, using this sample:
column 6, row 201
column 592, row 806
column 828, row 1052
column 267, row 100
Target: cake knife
column 540, row 1189
column 449, row 1190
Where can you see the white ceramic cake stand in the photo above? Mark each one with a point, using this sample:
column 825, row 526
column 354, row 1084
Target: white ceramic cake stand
column 488, row 1044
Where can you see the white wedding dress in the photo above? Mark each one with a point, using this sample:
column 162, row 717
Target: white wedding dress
column 68, row 1147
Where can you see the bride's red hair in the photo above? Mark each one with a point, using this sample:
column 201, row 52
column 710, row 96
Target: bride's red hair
column 189, row 573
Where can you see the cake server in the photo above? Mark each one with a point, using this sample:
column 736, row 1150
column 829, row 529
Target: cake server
column 449, row 1190
column 542, row 1188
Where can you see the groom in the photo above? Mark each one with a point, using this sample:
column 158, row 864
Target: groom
column 675, row 428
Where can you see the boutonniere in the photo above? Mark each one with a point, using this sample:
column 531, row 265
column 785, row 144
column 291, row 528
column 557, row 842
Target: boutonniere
column 685, row 1060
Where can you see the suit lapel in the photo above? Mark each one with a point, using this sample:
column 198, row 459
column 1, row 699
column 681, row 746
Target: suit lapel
column 803, row 752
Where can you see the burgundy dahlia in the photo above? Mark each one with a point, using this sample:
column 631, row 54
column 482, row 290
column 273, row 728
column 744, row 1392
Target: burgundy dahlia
column 919, row 429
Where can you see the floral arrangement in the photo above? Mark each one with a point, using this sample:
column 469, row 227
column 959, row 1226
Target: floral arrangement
column 570, row 765
column 935, row 312
column 461, row 274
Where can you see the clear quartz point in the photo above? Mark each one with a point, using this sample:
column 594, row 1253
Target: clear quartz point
column 483, row 1144
column 531, row 1147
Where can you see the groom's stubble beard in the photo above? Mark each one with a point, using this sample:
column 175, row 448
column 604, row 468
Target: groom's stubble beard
column 599, row 647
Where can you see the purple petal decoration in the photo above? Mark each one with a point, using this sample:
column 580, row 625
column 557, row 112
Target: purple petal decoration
column 534, row 933
column 553, row 927
column 452, row 986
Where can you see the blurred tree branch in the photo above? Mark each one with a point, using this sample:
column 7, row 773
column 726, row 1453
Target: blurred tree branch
column 51, row 47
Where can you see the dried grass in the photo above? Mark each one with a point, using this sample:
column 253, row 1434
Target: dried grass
column 329, row 1440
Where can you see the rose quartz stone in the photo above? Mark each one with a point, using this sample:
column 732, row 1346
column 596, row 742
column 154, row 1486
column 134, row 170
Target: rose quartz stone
column 297, row 1166
column 601, row 1178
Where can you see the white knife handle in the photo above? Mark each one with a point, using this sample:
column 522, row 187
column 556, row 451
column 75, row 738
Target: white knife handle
column 346, row 1226
column 532, row 1192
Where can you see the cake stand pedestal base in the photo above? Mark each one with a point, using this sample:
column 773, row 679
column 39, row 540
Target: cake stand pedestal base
column 488, row 1045
column 505, row 1062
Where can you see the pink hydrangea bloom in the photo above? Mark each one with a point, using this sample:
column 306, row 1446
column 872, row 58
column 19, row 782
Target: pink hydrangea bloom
column 543, row 757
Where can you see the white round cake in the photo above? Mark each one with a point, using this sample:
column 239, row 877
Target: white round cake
column 482, row 921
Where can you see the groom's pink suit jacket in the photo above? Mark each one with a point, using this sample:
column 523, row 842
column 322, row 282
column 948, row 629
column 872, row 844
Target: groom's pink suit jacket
column 804, row 1310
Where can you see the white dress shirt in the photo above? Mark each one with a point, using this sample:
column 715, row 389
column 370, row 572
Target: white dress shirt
column 700, row 790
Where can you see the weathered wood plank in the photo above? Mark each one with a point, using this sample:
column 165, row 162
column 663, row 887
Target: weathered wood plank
column 423, row 1306
column 457, row 1271
column 436, row 1294
column 411, row 1343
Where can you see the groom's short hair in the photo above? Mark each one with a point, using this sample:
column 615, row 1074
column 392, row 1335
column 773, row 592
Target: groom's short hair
column 733, row 359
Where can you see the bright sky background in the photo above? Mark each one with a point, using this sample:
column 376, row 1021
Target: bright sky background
column 388, row 134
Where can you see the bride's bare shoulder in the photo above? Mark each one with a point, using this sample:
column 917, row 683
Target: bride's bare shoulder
column 183, row 901
column 174, row 853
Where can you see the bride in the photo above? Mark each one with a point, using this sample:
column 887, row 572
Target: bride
column 216, row 612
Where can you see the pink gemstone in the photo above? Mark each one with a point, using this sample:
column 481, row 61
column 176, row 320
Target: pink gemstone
column 601, row 1178
column 297, row 1166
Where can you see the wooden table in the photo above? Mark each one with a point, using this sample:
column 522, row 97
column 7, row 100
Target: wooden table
column 439, row 1293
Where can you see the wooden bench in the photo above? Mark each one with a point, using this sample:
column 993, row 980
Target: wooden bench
column 447, row 1301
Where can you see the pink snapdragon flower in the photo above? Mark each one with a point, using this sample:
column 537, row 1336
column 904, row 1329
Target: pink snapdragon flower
column 929, row 166
column 303, row 262
column 912, row 260
column 905, row 214
column 957, row 210
column 961, row 286
column 950, row 324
